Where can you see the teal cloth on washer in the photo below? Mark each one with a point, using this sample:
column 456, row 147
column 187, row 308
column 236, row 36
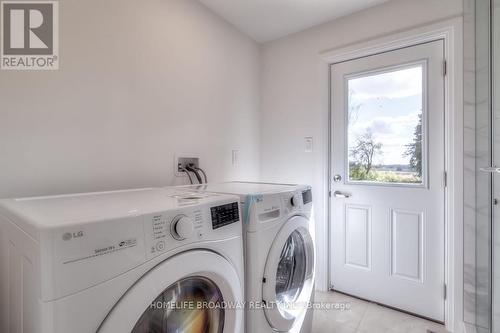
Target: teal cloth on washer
column 249, row 201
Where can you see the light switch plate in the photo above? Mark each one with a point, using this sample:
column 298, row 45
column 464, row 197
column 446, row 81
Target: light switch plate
column 235, row 158
column 308, row 140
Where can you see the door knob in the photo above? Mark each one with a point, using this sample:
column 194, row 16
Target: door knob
column 338, row 194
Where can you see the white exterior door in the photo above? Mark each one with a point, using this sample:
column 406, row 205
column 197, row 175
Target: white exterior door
column 388, row 179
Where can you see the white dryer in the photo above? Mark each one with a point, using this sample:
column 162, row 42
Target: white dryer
column 279, row 254
column 150, row 260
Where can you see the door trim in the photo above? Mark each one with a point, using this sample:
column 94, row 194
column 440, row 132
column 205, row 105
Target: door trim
column 450, row 31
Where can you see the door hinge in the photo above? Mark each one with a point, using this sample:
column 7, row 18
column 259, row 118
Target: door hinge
column 330, row 194
column 445, row 67
column 331, row 287
column 445, row 291
column 445, row 179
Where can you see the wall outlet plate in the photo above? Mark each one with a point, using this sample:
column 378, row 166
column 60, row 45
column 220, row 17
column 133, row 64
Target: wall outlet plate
column 182, row 162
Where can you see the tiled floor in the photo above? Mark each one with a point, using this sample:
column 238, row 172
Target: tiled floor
column 365, row 317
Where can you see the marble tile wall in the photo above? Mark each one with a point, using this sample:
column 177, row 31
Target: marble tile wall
column 496, row 156
column 483, row 159
column 477, row 154
column 469, row 311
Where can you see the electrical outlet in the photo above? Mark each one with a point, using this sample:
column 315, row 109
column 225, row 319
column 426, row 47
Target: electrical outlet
column 182, row 162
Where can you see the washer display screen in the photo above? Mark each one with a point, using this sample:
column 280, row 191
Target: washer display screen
column 307, row 197
column 225, row 215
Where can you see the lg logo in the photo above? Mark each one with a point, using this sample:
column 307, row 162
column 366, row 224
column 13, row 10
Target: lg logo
column 70, row 235
column 29, row 35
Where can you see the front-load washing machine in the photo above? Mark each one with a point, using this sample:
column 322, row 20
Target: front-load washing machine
column 150, row 260
column 279, row 254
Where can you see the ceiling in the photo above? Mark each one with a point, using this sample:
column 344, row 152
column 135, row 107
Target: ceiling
column 265, row 20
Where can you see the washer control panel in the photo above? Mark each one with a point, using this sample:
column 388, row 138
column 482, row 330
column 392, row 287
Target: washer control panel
column 165, row 231
column 300, row 199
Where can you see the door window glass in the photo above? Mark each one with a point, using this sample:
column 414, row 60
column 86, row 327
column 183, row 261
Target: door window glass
column 291, row 273
column 191, row 305
column 384, row 126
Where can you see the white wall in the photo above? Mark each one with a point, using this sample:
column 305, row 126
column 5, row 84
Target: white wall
column 142, row 80
column 294, row 95
column 138, row 82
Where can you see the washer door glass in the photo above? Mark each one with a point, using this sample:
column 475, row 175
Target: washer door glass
column 291, row 272
column 191, row 305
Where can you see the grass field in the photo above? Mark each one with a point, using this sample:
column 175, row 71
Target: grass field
column 384, row 176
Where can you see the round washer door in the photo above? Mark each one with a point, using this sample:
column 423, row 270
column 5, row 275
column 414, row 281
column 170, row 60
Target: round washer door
column 187, row 293
column 289, row 274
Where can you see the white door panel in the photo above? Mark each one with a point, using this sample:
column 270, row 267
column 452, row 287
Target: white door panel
column 387, row 199
column 357, row 236
column 407, row 244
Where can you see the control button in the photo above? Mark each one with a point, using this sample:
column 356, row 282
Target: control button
column 295, row 200
column 160, row 246
column 181, row 227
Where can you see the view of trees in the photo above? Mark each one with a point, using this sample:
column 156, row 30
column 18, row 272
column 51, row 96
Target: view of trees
column 361, row 164
column 384, row 124
column 414, row 149
column 363, row 153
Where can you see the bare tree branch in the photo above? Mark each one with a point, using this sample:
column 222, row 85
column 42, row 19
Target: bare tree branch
column 365, row 150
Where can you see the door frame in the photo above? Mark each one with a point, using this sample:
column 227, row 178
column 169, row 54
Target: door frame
column 450, row 31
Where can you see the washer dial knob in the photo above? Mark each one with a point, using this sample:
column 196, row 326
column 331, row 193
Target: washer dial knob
column 181, row 227
column 295, row 200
